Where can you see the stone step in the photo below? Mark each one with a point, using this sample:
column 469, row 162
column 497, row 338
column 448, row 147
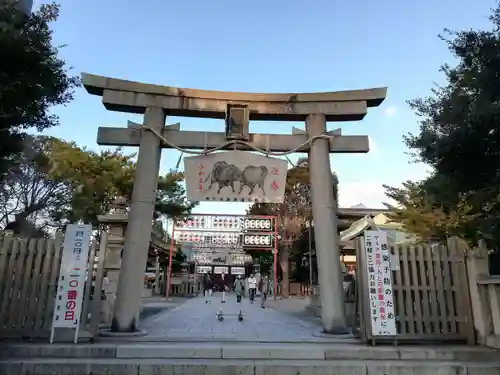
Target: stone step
column 253, row 351
column 122, row 366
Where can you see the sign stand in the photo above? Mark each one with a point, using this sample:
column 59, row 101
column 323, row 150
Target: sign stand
column 71, row 284
column 377, row 303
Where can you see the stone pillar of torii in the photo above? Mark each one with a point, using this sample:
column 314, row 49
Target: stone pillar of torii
column 156, row 102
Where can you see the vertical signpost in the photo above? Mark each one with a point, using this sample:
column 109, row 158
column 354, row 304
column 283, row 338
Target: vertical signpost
column 169, row 269
column 275, row 258
column 379, row 278
column 70, row 287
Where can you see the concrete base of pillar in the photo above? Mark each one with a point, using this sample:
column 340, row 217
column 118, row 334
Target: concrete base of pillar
column 339, row 331
column 337, row 335
column 315, row 308
column 108, row 333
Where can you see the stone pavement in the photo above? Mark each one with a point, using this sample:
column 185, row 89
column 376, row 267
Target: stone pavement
column 196, row 321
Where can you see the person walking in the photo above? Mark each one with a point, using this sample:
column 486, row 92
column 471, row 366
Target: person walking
column 252, row 287
column 264, row 286
column 207, row 287
column 238, row 287
column 223, row 286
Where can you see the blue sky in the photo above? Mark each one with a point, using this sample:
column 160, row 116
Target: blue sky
column 269, row 46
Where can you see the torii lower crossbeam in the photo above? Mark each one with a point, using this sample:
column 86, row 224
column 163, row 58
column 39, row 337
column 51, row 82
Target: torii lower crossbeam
column 194, row 140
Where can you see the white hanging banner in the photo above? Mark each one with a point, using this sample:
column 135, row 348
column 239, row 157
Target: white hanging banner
column 379, row 277
column 70, row 287
column 235, row 176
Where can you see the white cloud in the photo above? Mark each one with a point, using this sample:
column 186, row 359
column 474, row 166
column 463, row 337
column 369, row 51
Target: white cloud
column 390, row 111
column 369, row 193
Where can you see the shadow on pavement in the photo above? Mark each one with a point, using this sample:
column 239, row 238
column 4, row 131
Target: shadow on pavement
column 156, row 305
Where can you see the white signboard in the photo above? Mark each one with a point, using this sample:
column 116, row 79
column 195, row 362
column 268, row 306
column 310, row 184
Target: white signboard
column 237, row 270
column 203, row 269
column 235, row 176
column 379, row 277
column 219, row 270
column 70, row 287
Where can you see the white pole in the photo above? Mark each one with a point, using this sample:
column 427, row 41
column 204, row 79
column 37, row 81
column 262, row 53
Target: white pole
column 51, row 340
column 77, row 331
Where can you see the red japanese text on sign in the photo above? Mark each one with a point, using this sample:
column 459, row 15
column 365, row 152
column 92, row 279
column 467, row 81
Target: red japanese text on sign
column 72, row 293
column 201, row 174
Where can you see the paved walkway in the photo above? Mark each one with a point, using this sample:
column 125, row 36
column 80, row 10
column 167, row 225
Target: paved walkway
column 196, row 321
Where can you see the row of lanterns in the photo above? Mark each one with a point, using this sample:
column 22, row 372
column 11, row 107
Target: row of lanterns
column 258, row 224
column 259, row 240
column 226, row 223
column 216, row 239
column 195, row 223
column 217, row 222
column 207, row 258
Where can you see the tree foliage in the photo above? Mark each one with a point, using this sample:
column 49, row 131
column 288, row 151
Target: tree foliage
column 27, row 194
column 54, row 182
column 33, row 78
column 459, row 138
column 420, row 214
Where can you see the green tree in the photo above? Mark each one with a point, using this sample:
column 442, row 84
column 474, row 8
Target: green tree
column 98, row 178
column 54, row 182
column 95, row 180
column 33, row 78
column 459, row 136
column 421, row 214
column 171, row 199
column 27, row 194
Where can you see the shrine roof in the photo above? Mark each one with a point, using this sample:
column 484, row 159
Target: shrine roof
column 360, row 212
column 133, row 97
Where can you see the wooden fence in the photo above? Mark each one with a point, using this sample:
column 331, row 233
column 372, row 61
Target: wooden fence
column 29, row 271
column 430, row 291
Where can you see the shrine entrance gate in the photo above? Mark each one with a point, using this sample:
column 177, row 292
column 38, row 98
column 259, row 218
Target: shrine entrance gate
column 238, row 109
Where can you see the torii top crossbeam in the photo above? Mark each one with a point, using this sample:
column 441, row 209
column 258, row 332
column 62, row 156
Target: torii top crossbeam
column 134, row 97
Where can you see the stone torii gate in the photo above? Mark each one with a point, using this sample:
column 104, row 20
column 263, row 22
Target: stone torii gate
column 156, row 102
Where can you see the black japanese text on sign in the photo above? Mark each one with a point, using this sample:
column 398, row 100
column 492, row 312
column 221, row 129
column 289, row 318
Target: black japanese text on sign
column 379, row 284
